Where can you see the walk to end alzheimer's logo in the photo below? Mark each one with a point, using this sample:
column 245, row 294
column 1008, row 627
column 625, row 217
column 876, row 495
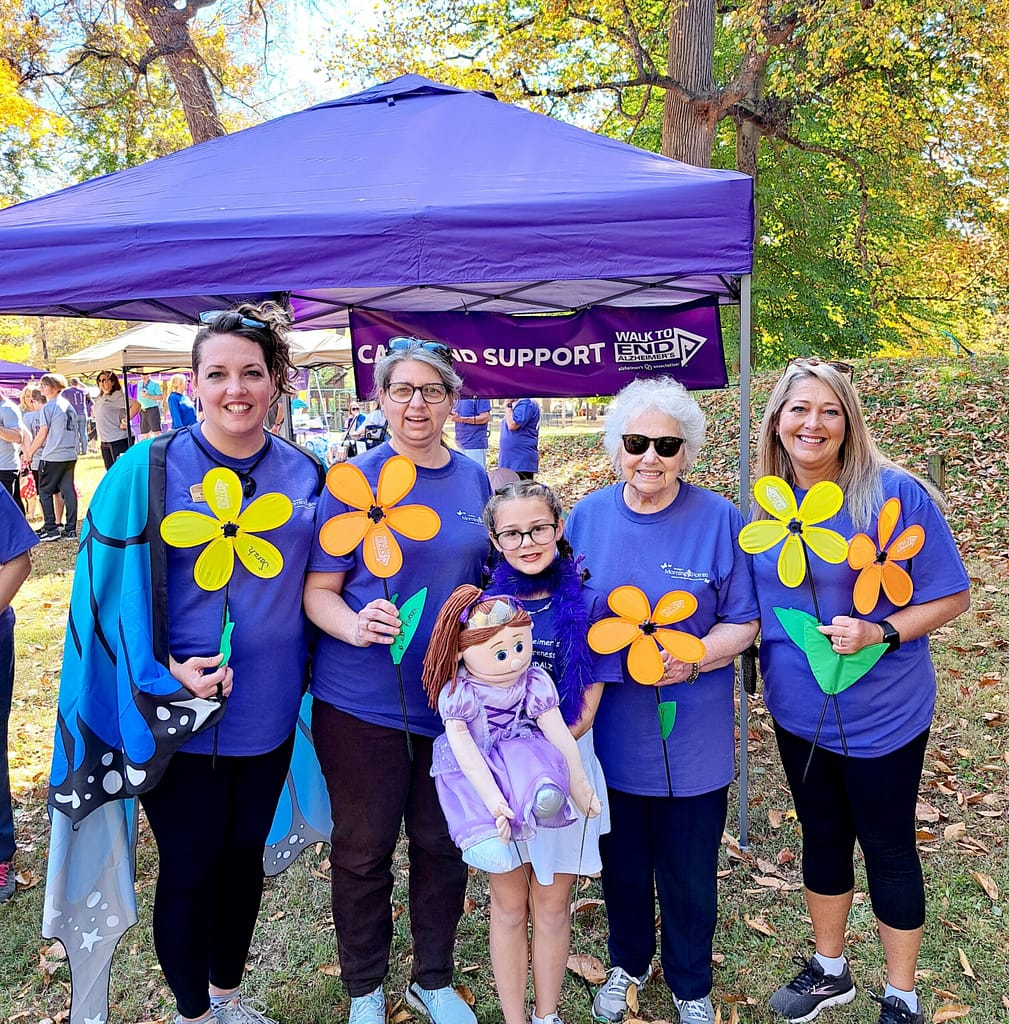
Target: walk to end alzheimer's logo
column 663, row 347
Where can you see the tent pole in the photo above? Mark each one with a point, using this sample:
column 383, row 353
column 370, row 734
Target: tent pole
column 130, row 442
column 744, row 506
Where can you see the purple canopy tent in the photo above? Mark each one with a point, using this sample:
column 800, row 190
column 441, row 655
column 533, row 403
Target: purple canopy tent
column 17, row 375
column 409, row 196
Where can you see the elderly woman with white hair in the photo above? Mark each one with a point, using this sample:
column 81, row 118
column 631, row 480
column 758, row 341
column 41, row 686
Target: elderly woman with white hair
column 668, row 790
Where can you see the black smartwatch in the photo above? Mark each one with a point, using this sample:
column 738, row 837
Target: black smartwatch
column 890, row 636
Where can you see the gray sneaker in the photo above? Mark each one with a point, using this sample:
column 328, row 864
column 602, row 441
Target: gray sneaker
column 610, row 1003
column 8, row 884
column 240, row 1010
column 695, row 1011
column 811, row 991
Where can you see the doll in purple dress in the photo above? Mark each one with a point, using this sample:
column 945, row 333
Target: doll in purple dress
column 506, row 763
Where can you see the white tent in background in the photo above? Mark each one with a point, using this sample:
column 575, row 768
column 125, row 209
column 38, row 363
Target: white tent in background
column 153, row 347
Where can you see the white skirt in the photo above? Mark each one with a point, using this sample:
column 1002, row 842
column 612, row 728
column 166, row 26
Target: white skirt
column 573, row 850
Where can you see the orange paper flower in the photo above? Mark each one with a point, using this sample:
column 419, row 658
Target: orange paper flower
column 878, row 565
column 376, row 515
column 644, row 631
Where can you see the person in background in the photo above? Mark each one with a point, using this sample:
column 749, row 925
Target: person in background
column 16, row 541
column 180, row 405
column 354, row 436
column 13, row 438
column 668, row 790
column 34, row 401
column 374, row 782
column 471, row 416
column 29, row 481
column 57, row 443
column 78, row 397
column 149, row 397
column 863, row 786
column 520, row 435
column 112, row 417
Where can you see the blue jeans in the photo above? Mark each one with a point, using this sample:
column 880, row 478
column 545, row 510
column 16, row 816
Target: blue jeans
column 6, row 695
column 82, row 435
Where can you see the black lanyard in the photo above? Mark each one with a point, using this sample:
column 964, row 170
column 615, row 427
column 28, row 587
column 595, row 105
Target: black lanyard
column 245, row 475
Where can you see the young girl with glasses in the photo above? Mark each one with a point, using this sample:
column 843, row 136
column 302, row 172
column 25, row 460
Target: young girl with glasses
column 535, row 564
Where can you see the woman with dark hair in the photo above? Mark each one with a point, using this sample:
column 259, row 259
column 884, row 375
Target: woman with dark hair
column 668, row 790
column 111, row 417
column 855, row 777
column 206, row 616
column 375, row 780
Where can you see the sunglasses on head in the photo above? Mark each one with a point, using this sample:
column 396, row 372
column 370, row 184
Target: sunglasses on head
column 404, row 344
column 666, row 447
column 209, row 316
column 846, row 368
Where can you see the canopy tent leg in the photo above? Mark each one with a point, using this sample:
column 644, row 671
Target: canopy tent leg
column 744, row 506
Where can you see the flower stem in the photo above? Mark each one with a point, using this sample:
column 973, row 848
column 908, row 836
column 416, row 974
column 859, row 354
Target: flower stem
column 402, row 690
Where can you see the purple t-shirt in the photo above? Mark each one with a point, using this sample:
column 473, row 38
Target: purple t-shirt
column 362, row 681
column 893, row 702
column 519, row 449
column 270, row 641
column 691, row 545
column 471, row 435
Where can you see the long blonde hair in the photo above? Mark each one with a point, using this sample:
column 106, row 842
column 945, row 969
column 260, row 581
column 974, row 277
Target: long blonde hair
column 862, row 463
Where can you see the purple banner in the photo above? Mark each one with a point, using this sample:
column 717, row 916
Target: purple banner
column 594, row 352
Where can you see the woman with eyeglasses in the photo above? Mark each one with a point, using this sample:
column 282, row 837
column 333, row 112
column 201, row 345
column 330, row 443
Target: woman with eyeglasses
column 855, row 775
column 187, row 616
column 111, row 417
column 668, row 794
column 378, row 765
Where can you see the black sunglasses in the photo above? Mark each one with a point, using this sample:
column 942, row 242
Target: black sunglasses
column 666, row 447
column 846, row 368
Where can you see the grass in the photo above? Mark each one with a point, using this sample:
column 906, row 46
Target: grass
column 918, row 409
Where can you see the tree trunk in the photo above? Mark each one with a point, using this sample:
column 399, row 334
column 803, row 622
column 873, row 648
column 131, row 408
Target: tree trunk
column 169, row 32
column 688, row 126
column 748, row 142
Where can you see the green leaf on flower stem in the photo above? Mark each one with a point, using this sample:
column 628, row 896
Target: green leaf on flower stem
column 833, row 672
column 409, row 615
column 667, row 717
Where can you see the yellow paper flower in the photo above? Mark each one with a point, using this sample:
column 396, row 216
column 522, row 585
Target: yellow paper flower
column 795, row 525
column 376, row 517
column 877, row 565
column 643, row 630
column 231, row 533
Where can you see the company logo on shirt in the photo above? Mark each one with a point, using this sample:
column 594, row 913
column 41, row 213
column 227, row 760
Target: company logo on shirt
column 468, row 517
column 678, row 573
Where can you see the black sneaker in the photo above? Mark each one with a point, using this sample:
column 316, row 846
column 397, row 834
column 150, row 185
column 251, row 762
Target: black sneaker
column 69, row 535
column 893, row 1010
column 811, row 991
column 45, row 535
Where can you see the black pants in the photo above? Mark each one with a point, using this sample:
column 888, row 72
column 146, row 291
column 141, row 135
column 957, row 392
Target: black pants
column 373, row 787
column 111, row 450
column 211, row 819
column 670, row 845
column 53, row 477
column 10, row 481
column 871, row 799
